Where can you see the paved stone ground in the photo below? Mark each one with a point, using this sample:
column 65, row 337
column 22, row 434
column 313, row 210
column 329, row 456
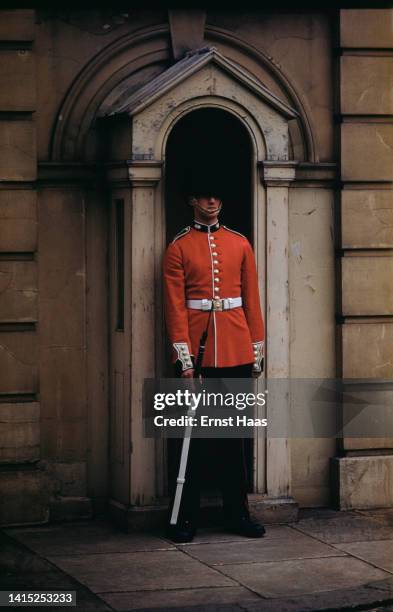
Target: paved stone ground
column 326, row 561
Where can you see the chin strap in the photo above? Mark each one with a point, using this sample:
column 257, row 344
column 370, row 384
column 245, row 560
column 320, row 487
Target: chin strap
column 201, row 210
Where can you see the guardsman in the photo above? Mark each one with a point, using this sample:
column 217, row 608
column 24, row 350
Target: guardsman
column 209, row 266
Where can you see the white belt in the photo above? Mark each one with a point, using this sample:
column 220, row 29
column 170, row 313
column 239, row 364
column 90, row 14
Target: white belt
column 218, row 304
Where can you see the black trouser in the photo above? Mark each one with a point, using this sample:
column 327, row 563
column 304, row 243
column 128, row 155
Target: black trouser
column 228, row 455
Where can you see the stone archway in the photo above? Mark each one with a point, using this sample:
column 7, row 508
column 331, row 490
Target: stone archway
column 205, row 80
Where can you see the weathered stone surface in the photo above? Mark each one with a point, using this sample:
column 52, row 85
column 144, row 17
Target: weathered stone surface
column 62, row 268
column 367, row 350
column 206, row 81
column 366, row 28
column 267, row 510
column 382, row 515
column 262, row 550
column 187, row 30
column 363, row 443
column 379, row 553
column 367, row 285
column 17, row 25
column 367, row 416
column 26, row 497
column 70, row 508
column 70, row 477
column 339, row 527
column 18, row 220
column 371, row 594
column 167, row 569
column 367, row 218
column 377, row 140
column 86, row 537
column 63, row 384
column 214, row 535
column 64, row 440
column 21, row 569
column 311, row 274
column 183, row 599
column 18, row 291
column 17, row 76
column 364, row 482
column 20, row 432
column 99, row 538
column 18, row 362
column 311, row 476
column 62, row 326
column 366, row 85
column 18, row 150
column 298, row 577
column 311, row 283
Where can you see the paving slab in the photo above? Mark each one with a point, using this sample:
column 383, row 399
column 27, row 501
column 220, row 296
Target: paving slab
column 365, row 597
column 301, row 577
column 183, row 598
column 170, row 569
column 23, row 570
column 261, row 550
column 345, row 527
column 213, row 535
column 84, row 538
column 379, row 553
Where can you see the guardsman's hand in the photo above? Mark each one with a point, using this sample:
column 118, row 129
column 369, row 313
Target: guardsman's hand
column 188, row 373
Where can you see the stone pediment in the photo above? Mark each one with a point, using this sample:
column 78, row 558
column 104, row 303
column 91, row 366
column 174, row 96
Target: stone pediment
column 191, row 64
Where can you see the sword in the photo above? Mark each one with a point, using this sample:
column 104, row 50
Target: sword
column 181, row 478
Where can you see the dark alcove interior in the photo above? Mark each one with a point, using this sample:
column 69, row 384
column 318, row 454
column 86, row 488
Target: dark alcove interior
column 209, row 144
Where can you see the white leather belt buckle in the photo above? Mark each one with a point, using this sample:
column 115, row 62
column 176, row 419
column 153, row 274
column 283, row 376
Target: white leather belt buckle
column 218, row 304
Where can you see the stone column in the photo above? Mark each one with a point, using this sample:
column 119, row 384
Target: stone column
column 277, row 176
column 144, row 177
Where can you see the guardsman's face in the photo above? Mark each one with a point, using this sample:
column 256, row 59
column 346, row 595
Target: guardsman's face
column 207, row 206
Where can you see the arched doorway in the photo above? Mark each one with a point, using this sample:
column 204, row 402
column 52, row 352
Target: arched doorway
column 209, row 140
column 251, row 139
column 213, row 142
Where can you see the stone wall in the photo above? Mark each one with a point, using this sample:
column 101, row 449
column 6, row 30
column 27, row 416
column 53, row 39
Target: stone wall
column 21, row 482
column 54, row 232
column 366, row 241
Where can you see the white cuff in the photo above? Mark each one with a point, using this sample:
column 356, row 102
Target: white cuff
column 258, row 348
column 183, row 355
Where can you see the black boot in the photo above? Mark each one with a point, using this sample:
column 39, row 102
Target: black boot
column 245, row 526
column 182, row 532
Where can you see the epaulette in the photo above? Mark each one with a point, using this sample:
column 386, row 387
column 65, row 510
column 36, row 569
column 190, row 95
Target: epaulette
column 182, row 233
column 234, row 231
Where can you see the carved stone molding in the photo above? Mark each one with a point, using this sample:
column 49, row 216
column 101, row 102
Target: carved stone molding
column 187, row 28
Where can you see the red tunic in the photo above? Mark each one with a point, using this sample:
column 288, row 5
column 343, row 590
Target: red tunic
column 210, row 262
